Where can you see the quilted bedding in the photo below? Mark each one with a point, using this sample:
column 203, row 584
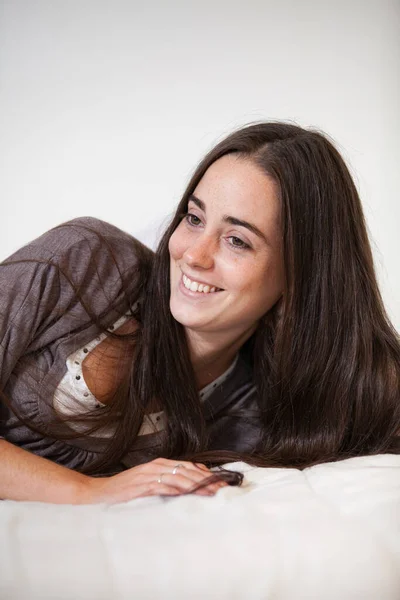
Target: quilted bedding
column 330, row 532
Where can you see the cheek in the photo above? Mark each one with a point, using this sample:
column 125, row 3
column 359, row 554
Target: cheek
column 263, row 282
column 246, row 276
column 176, row 245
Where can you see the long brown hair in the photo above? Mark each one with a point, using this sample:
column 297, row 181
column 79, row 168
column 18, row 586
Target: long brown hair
column 327, row 369
column 326, row 365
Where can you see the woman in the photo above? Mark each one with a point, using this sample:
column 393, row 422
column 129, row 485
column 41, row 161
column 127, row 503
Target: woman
column 256, row 332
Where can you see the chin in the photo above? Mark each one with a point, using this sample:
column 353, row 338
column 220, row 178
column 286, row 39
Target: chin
column 183, row 316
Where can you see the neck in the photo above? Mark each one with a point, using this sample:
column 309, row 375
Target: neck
column 212, row 353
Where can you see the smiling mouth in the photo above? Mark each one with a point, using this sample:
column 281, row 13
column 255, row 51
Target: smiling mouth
column 194, row 286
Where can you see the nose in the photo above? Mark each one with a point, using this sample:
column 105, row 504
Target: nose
column 200, row 253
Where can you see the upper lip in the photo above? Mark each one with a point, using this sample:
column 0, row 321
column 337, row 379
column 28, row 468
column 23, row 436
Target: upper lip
column 193, row 278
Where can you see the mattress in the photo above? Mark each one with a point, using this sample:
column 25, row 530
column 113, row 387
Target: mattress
column 329, row 532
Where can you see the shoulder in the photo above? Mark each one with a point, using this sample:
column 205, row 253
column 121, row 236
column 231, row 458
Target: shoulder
column 86, row 232
column 85, row 258
column 82, row 242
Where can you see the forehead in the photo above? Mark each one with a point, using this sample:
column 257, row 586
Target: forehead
column 235, row 186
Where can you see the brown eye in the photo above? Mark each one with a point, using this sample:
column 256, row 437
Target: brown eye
column 238, row 243
column 193, row 219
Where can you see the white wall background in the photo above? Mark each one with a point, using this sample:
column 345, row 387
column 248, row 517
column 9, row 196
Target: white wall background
column 106, row 106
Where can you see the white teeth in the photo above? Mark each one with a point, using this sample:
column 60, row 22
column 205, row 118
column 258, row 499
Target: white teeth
column 197, row 287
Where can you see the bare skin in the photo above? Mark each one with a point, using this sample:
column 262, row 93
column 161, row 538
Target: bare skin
column 106, row 366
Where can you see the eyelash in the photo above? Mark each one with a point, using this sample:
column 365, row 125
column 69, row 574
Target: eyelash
column 242, row 246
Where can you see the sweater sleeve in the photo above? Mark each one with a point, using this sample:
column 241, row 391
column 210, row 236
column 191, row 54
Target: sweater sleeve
column 44, row 285
column 29, row 293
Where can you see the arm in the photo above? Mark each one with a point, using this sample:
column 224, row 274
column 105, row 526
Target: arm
column 29, row 294
column 24, row 476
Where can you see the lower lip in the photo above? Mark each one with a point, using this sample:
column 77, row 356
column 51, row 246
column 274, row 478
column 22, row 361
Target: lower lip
column 197, row 295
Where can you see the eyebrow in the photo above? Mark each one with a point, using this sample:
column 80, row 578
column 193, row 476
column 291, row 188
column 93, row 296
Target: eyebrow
column 229, row 219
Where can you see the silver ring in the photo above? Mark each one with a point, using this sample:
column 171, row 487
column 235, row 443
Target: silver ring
column 174, row 470
column 159, row 480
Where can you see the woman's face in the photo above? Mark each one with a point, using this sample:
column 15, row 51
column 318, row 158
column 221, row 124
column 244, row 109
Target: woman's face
column 226, row 253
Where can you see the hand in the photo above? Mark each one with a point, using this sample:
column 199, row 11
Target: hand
column 160, row 477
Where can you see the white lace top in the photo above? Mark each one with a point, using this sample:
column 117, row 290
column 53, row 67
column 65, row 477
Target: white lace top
column 73, row 397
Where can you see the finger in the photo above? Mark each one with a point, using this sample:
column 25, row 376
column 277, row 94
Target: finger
column 186, row 478
column 155, row 489
column 203, row 467
column 168, row 463
column 158, row 490
column 172, row 485
column 196, row 471
column 162, row 489
column 187, row 481
column 180, row 481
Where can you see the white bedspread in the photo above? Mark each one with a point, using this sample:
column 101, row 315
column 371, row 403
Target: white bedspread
column 330, row 532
